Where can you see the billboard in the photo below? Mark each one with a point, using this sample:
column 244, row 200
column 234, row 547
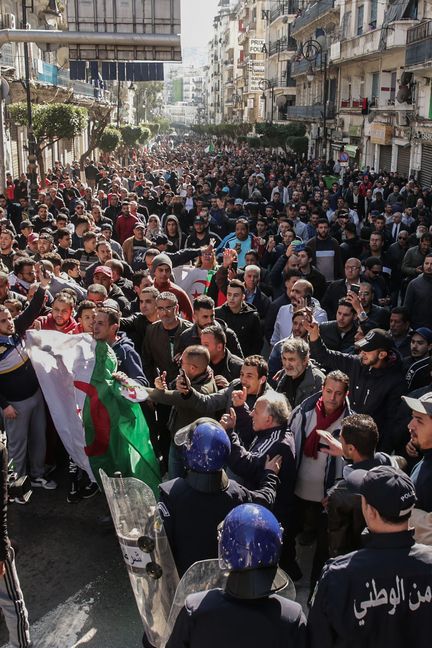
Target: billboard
column 132, row 17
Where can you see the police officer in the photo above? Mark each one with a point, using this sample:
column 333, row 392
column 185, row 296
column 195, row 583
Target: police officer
column 378, row 596
column 248, row 613
column 192, row 507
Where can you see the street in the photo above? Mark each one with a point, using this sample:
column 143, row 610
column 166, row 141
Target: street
column 72, row 574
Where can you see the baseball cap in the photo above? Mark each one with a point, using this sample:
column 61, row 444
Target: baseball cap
column 200, row 219
column 161, row 239
column 425, row 332
column 33, row 237
column 139, row 226
column 225, row 189
column 374, row 340
column 423, row 405
column 389, row 490
column 111, row 303
column 105, row 270
column 106, row 226
column 25, row 223
column 238, row 201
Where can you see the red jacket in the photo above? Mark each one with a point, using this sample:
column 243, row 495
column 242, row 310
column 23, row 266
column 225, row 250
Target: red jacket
column 125, row 227
column 47, row 324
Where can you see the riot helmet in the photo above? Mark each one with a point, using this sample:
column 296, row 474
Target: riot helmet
column 250, row 543
column 205, row 444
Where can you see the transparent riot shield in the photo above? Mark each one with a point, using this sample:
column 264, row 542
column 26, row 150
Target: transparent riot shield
column 202, row 576
column 145, row 550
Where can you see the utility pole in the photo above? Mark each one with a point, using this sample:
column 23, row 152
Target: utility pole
column 32, row 166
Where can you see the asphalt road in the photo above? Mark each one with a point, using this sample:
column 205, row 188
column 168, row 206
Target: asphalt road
column 73, row 577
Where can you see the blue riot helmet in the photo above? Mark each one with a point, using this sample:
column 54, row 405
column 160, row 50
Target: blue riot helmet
column 205, row 444
column 250, row 543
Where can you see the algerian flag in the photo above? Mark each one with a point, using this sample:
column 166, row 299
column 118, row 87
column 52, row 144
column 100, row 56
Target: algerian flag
column 99, row 421
column 209, row 149
column 194, row 281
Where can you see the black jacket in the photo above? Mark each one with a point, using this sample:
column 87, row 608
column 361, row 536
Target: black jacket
column 214, row 619
column 422, row 479
column 372, row 391
column 246, row 324
column 376, row 597
column 249, row 464
column 336, row 290
column 192, row 508
column 333, row 339
column 229, row 367
column 344, row 513
column 191, row 336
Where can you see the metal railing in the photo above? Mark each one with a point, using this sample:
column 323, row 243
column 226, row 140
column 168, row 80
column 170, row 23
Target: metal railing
column 419, row 44
column 282, row 45
column 312, row 12
column 309, row 112
column 284, row 8
column 283, row 82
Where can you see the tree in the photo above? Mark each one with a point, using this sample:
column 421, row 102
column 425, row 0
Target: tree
column 51, row 123
column 110, row 139
column 130, row 135
column 149, row 100
column 100, row 117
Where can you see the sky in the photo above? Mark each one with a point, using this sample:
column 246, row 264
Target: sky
column 197, row 20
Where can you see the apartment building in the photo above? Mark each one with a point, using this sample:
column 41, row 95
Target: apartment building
column 357, row 73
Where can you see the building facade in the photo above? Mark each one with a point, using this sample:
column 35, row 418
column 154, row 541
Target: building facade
column 357, row 73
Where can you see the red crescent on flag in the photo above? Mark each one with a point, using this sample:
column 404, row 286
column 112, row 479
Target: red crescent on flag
column 100, row 419
column 204, row 282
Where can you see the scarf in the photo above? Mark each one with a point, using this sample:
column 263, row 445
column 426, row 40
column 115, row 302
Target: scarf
column 323, row 422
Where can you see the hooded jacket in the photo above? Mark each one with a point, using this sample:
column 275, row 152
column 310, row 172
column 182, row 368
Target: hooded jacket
column 177, row 241
column 376, row 392
column 128, row 359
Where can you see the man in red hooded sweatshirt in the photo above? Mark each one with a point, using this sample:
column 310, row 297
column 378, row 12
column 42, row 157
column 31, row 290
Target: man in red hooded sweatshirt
column 60, row 319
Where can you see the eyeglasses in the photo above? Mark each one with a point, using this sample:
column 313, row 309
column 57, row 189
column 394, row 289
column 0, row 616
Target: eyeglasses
column 165, row 309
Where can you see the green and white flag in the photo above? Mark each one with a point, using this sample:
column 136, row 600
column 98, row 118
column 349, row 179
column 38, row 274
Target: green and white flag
column 100, row 421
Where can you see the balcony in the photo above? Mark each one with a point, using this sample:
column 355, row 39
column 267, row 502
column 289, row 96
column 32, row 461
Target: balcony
column 311, row 13
column 302, row 66
column 285, row 8
column 283, row 45
column 419, row 46
column 81, row 88
column 281, row 83
column 368, row 44
column 309, row 113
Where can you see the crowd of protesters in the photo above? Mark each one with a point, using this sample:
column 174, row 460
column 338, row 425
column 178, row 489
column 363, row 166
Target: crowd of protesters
column 305, row 283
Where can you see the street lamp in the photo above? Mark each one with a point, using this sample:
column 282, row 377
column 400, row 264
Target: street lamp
column 311, row 50
column 266, row 84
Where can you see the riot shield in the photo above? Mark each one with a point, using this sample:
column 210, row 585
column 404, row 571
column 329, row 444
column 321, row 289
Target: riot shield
column 145, row 549
column 202, row 576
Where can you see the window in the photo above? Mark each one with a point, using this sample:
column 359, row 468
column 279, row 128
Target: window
column 360, row 17
column 373, row 14
column 375, row 86
column 346, row 25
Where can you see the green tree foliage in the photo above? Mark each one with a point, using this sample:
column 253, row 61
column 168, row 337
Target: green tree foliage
column 51, row 123
column 145, row 134
column 131, row 135
column 110, row 139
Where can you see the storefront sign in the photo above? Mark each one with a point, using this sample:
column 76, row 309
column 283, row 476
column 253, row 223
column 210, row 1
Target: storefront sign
column 256, row 46
column 381, row 133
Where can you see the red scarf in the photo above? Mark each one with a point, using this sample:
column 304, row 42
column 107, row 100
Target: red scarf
column 323, row 422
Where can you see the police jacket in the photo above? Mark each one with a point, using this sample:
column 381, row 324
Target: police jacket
column 376, row 392
column 422, row 479
column 377, row 597
column 192, row 508
column 215, row 619
column 249, row 464
column 344, row 513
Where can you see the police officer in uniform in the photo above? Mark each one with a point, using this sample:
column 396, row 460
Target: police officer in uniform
column 378, row 596
column 248, row 613
column 192, row 507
